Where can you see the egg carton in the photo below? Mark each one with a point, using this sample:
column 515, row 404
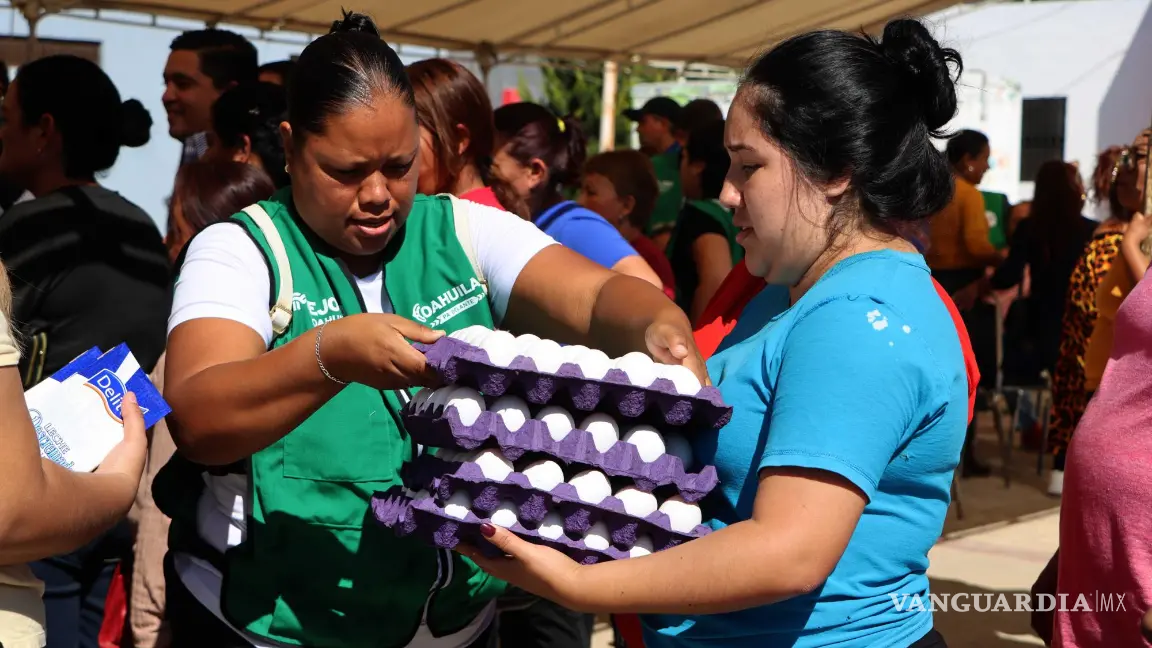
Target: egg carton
column 457, row 362
column 444, row 478
column 425, row 519
column 444, row 429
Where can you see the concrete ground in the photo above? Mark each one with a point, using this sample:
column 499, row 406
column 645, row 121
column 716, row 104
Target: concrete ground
column 1003, row 541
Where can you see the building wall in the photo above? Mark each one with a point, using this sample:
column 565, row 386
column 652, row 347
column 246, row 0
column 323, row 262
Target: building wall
column 1094, row 52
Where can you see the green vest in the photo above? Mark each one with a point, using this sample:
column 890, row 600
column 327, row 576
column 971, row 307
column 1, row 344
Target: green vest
column 721, row 215
column 316, row 569
column 671, row 199
column 996, row 209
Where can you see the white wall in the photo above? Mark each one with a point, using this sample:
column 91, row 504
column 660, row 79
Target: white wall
column 1094, row 52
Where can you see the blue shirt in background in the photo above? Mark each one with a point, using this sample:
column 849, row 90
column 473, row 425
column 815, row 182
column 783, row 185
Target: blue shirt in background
column 584, row 232
column 863, row 377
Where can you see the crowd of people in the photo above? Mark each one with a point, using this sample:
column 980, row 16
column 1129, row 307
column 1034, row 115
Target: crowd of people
column 811, row 253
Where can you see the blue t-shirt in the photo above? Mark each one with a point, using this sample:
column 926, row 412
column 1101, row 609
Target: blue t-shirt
column 863, row 377
column 584, row 232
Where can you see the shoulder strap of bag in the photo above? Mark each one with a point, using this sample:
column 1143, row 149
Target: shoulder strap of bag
column 281, row 312
column 460, row 215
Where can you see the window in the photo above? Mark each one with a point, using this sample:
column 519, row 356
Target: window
column 1042, row 134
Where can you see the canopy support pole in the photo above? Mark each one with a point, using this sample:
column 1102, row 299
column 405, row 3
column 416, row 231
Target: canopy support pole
column 608, row 106
column 32, row 13
column 486, row 58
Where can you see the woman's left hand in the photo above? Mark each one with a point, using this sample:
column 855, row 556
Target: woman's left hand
column 672, row 343
column 543, row 571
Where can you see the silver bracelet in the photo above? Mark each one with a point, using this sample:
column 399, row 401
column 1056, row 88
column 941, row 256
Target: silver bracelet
column 319, row 335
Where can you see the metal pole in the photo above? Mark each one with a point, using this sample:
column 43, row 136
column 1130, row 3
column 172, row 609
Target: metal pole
column 608, row 107
column 32, row 13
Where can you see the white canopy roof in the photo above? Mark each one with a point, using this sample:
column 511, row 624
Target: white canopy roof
column 723, row 32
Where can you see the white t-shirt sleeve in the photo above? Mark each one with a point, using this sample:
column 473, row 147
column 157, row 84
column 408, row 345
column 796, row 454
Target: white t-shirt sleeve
column 504, row 244
column 224, row 276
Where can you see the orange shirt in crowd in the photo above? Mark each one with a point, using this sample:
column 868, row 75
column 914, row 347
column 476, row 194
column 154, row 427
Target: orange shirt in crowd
column 959, row 233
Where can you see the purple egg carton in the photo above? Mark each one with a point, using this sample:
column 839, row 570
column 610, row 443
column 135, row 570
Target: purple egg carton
column 444, row 429
column 443, row 479
column 457, row 361
column 425, row 519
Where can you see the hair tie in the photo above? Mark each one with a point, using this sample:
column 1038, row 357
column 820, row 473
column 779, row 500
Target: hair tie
column 560, row 124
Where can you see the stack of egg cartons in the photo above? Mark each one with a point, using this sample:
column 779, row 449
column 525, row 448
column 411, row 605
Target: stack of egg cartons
column 562, row 445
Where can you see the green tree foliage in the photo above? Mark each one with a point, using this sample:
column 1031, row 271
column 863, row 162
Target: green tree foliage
column 575, row 88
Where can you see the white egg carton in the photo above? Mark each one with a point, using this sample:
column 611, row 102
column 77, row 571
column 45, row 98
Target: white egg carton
column 543, row 372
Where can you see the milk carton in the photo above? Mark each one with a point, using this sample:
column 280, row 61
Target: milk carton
column 76, row 412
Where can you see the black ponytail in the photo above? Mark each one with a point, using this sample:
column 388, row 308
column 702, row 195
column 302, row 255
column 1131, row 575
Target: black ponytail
column 531, row 131
column 349, row 65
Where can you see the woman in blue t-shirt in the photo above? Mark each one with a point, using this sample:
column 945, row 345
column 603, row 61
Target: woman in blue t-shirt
column 846, row 373
column 541, row 156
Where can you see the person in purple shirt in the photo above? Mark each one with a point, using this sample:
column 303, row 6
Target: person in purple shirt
column 541, row 156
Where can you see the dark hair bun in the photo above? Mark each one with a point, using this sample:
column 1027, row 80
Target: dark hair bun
column 356, row 23
column 135, row 124
column 927, row 66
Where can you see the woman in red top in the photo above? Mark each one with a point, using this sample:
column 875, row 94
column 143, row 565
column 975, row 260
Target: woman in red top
column 621, row 186
column 457, row 136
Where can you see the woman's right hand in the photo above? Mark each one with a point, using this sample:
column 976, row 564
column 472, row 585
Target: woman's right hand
column 371, row 349
column 126, row 460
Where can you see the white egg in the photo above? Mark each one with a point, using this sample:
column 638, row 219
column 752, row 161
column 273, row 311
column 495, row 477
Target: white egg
column 525, row 342
column 474, row 335
column 493, row 464
column 573, row 353
column 649, row 443
column 552, row 527
column 439, row 398
column 591, row 486
column 682, row 377
column 643, row 547
column 683, row 516
column 501, row 348
column 506, row 515
column 546, row 354
column 637, row 503
column 558, row 421
column 639, row 367
column 544, row 474
column 468, row 403
column 593, row 363
column 605, row 433
column 458, row 505
column 512, row 410
column 420, row 400
column 597, row 537
column 677, row 446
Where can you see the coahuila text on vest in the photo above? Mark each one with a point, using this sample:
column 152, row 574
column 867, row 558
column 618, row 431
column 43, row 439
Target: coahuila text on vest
column 449, row 304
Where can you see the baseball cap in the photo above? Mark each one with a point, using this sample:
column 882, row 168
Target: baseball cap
column 665, row 107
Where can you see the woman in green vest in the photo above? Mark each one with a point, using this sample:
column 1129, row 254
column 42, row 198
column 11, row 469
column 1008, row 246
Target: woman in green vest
column 288, row 420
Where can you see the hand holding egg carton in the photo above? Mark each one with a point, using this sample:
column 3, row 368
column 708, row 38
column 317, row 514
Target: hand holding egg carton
column 581, row 489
